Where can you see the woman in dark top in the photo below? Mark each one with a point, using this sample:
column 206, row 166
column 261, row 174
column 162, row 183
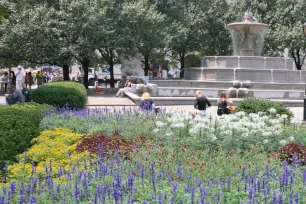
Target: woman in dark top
column 13, row 78
column 223, row 102
column 201, row 103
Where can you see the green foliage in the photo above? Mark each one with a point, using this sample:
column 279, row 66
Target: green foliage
column 18, row 124
column 256, row 105
column 61, row 93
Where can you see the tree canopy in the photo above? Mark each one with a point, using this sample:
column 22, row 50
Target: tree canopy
column 60, row 32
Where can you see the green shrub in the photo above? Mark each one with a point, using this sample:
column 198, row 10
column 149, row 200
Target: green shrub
column 18, row 124
column 61, row 93
column 255, row 105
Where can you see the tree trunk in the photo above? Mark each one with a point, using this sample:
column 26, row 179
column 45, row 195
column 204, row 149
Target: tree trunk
column 111, row 68
column 85, row 67
column 66, row 72
column 297, row 59
column 146, row 62
column 182, row 60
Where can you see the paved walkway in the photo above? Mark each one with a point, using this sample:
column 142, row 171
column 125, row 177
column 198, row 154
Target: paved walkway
column 105, row 97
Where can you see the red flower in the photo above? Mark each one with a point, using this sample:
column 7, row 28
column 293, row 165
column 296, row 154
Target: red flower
column 269, row 161
column 229, row 161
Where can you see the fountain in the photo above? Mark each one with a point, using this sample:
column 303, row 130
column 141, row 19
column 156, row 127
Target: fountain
column 244, row 74
column 246, row 33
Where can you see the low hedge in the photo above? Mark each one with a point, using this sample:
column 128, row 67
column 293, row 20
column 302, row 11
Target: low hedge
column 61, row 94
column 256, row 105
column 19, row 124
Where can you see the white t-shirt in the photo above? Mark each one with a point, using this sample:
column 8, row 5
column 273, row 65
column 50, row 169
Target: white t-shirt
column 20, row 75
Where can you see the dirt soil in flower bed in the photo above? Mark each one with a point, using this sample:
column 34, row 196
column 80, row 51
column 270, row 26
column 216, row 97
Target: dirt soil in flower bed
column 113, row 143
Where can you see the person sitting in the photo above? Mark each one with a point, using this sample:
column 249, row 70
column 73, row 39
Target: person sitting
column 15, row 97
column 223, row 102
column 146, row 103
column 26, row 92
column 171, row 74
column 201, row 103
column 121, row 91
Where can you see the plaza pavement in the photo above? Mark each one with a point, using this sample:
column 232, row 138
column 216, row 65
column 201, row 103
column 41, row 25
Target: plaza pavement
column 105, row 97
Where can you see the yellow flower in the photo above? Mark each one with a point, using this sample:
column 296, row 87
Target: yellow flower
column 51, row 147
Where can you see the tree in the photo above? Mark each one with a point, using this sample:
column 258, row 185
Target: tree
column 287, row 30
column 148, row 29
column 53, row 34
column 115, row 40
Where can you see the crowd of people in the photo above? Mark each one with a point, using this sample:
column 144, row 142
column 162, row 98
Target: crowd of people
column 18, row 84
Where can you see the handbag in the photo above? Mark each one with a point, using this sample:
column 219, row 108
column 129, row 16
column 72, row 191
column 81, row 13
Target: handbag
column 231, row 110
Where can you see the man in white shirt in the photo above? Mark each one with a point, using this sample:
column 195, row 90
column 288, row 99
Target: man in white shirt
column 20, row 74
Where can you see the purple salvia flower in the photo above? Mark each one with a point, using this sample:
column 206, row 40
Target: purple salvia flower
column 192, row 194
column 274, row 198
column 297, row 197
column 291, row 198
column 32, row 200
column 13, row 187
column 96, row 199
column 280, row 199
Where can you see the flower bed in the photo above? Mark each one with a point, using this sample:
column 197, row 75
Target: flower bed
column 133, row 156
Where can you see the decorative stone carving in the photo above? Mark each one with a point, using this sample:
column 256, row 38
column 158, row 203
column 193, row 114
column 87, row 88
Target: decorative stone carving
column 246, row 84
column 237, row 84
column 141, row 88
column 243, row 91
column 232, row 91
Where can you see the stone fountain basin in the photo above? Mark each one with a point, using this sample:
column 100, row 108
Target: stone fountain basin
column 253, row 75
column 248, row 28
column 248, row 62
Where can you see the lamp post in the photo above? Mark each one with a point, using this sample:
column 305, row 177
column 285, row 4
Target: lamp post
column 304, row 118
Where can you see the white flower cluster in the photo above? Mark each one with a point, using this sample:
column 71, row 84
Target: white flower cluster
column 260, row 125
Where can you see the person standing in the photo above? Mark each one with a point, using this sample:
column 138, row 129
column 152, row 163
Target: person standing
column 15, row 97
column 13, row 78
column 29, row 80
column 20, row 74
column 39, row 78
column 201, row 103
column 5, row 80
column 25, row 92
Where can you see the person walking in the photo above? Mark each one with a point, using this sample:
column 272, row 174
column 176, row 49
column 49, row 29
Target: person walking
column 201, row 103
column 223, row 102
column 20, row 74
column 5, row 80
column 15, row 97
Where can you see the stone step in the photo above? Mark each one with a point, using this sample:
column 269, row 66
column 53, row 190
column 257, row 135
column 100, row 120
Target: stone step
column 166, row 101
column 226, row 85
column 216, row 92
